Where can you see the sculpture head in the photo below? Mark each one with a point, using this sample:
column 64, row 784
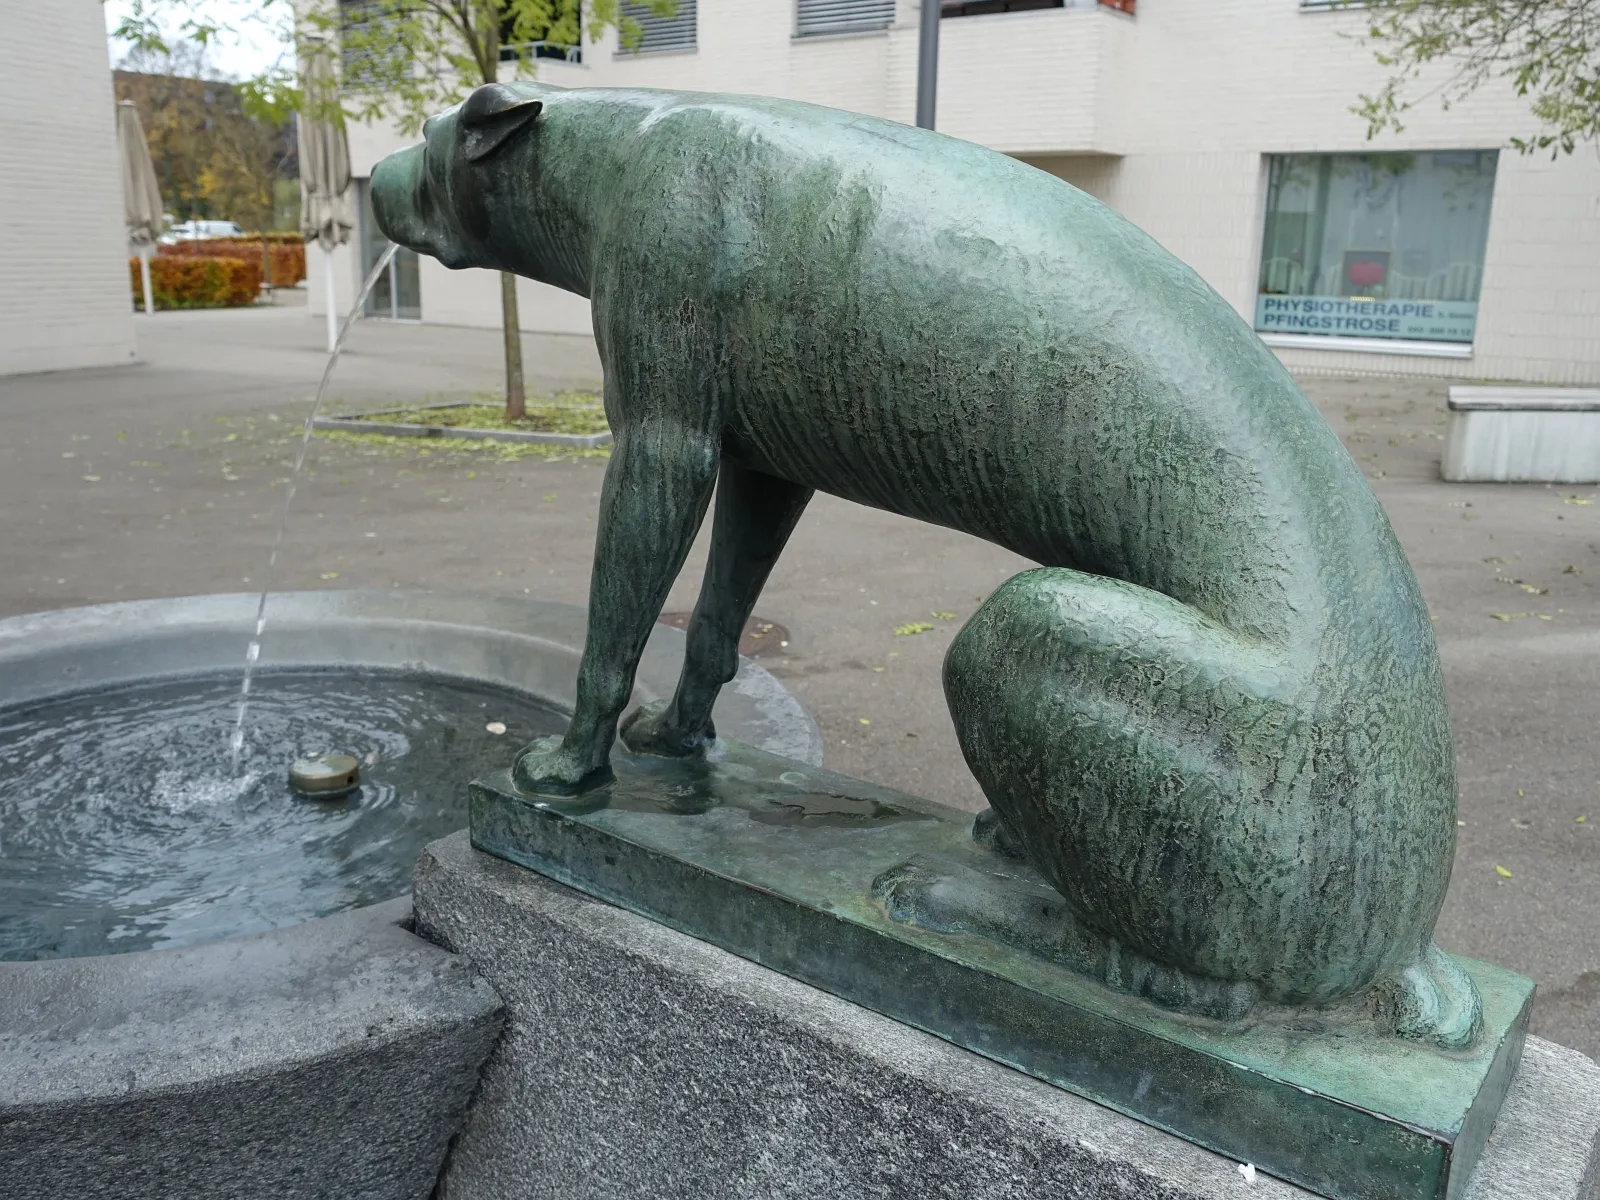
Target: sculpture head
column 436, row 197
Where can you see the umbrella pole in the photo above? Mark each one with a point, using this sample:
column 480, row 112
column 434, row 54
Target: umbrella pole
column 144, row 278
column 333, row 304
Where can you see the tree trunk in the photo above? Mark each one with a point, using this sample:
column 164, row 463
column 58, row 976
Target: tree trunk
column 516, row 402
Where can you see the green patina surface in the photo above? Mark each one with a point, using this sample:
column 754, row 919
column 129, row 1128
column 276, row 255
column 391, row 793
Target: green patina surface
column 1212, row 719
column 777, row 862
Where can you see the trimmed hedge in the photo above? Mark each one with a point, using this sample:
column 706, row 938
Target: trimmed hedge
column 197, row 282
column 286, row 250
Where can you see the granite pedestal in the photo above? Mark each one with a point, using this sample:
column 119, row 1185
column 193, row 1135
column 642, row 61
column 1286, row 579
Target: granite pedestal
column 638, row 1061
column 331, row 1059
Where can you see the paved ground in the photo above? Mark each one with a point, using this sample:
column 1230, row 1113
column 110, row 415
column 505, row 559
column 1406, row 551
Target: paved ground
column 165, row 478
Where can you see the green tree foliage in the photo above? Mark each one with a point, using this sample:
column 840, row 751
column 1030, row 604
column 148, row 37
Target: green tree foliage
column 214, row 156
column 1548, row 50
column 406, row 59
column 403, row 60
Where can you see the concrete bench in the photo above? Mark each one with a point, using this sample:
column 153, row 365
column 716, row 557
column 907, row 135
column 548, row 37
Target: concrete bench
column 1522, row 435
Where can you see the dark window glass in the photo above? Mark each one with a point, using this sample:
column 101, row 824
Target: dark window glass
column 1375, row 245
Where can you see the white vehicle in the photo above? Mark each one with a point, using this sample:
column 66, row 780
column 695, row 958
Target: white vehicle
column 193, row 231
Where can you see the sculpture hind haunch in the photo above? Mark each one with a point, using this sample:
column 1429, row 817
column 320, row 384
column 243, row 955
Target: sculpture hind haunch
column 1213, row 719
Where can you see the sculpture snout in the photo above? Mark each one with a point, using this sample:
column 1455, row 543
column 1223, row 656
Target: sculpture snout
column 406, row 210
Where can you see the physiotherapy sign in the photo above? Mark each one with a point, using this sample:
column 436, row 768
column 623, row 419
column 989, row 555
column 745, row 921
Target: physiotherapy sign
column 1340, row 316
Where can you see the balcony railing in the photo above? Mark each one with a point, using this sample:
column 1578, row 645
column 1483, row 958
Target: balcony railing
column 984, row 8
column 555, row 50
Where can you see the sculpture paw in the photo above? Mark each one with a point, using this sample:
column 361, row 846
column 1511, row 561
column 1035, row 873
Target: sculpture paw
column 549, row 767
column 1434, row 1001
column 989, row 831
column 647, row 730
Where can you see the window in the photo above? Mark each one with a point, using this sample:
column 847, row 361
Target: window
column 676, row 32
column 535, row 42
column 398, row 292
column 1375, row 245
column 982, row 8
column 814, row 17
column 368, row 58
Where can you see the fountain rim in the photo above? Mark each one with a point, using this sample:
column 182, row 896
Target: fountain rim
column 77, row 1034
column 517, row 643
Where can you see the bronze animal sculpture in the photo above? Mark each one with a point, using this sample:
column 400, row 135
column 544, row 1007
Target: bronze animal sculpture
column 1213, row 718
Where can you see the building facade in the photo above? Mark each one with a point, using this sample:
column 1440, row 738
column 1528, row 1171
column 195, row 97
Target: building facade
column 1223, row 129
column 64, row 294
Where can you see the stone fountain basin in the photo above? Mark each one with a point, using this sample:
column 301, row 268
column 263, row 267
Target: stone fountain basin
column 332, row 1057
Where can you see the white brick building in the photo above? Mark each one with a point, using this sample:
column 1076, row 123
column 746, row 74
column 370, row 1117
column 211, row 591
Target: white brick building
column 1222, row 128
column 64, row 296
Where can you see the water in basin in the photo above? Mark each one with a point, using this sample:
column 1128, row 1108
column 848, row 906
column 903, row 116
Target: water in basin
column 123, row 827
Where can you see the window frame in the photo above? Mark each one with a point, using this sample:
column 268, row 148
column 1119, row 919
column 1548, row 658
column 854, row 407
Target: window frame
column 1356, row 342
column 848, row 26
column 648, row 20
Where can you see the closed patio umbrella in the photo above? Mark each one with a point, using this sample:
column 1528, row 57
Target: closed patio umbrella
column 324, row 171
column 141, row 195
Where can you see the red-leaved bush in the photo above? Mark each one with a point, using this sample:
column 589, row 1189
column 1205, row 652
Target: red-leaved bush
column 180, row 281
column 287, row 252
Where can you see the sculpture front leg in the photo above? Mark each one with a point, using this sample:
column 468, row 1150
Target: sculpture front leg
column 656, row 491
column 755, row 515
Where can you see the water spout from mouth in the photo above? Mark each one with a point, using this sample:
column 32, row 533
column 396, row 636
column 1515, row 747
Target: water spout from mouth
column 253, row 651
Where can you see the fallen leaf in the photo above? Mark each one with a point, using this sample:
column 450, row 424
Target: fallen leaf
column 1571, row 570
column 1519, row 791
column 864, row 721
column 550, row 497
column 330, row 574
column 1581, row 820
column 1501, row 871
column 944, row 616
column 91, row 479
column 879, row 670
column 914, row 627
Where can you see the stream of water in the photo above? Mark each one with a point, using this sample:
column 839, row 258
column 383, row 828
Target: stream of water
column 253, row 651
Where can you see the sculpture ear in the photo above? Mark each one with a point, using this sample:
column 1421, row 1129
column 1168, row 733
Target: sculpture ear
column 491, row 115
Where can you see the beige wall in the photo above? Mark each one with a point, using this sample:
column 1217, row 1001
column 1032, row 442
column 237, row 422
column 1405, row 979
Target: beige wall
column 1168, row 117
column 65, row 299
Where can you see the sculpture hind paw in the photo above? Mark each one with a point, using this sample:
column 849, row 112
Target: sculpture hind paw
column 1433, row 1001
column 649, row 729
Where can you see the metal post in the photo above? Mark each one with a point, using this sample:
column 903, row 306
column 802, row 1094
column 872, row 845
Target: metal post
column 332, row 301
column 144, row 278
column 928, row 63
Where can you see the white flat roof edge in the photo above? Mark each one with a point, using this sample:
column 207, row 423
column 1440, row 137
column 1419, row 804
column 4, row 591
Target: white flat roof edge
column 1315, row 341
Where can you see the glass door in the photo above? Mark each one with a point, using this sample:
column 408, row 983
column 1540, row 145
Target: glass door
column 398, row 292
